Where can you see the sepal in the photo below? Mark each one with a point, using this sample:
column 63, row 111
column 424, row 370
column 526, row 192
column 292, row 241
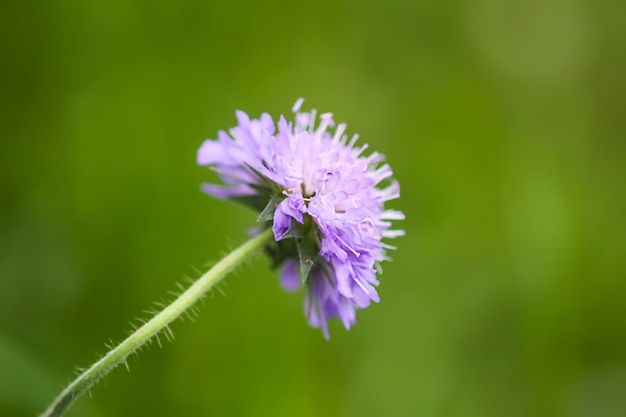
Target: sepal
column 296, row 230
column 268, row 212
column 307, row 254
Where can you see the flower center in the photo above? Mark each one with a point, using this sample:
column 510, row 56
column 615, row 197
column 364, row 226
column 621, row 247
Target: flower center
column 307, row 195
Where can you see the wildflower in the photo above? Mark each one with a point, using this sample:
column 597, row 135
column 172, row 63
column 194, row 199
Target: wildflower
column 321, row 197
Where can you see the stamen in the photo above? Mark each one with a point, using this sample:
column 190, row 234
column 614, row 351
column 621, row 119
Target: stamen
column 326, row 120
column 312, row 120
column 341, row 127
column 357, row 254
column 355, row 137
column 393, row 233
column 297, row 105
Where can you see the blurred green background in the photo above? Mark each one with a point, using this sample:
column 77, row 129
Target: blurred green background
column 503, row 121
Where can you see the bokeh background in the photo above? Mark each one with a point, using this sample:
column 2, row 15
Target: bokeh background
column 503, row 121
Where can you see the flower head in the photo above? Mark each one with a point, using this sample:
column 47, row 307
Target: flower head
column 323, row 198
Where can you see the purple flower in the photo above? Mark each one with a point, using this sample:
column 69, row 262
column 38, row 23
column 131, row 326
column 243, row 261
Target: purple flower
column 323, row 199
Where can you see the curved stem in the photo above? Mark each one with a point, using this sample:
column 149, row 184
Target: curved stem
column 159, row 322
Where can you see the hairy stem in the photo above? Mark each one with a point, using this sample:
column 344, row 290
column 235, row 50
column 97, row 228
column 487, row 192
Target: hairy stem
column 159, row 322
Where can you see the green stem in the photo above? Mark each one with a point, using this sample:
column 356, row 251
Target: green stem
column 159, row 322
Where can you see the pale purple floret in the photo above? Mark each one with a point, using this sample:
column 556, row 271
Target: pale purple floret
column 322, row 175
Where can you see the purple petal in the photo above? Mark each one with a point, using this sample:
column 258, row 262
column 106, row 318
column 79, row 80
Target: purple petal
column 242, row 118
column 222, row 192
column 342, row 274
column 294, row 207
column 267, row 123
column 289, row 278
column 211, row 152
column 281, row 222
